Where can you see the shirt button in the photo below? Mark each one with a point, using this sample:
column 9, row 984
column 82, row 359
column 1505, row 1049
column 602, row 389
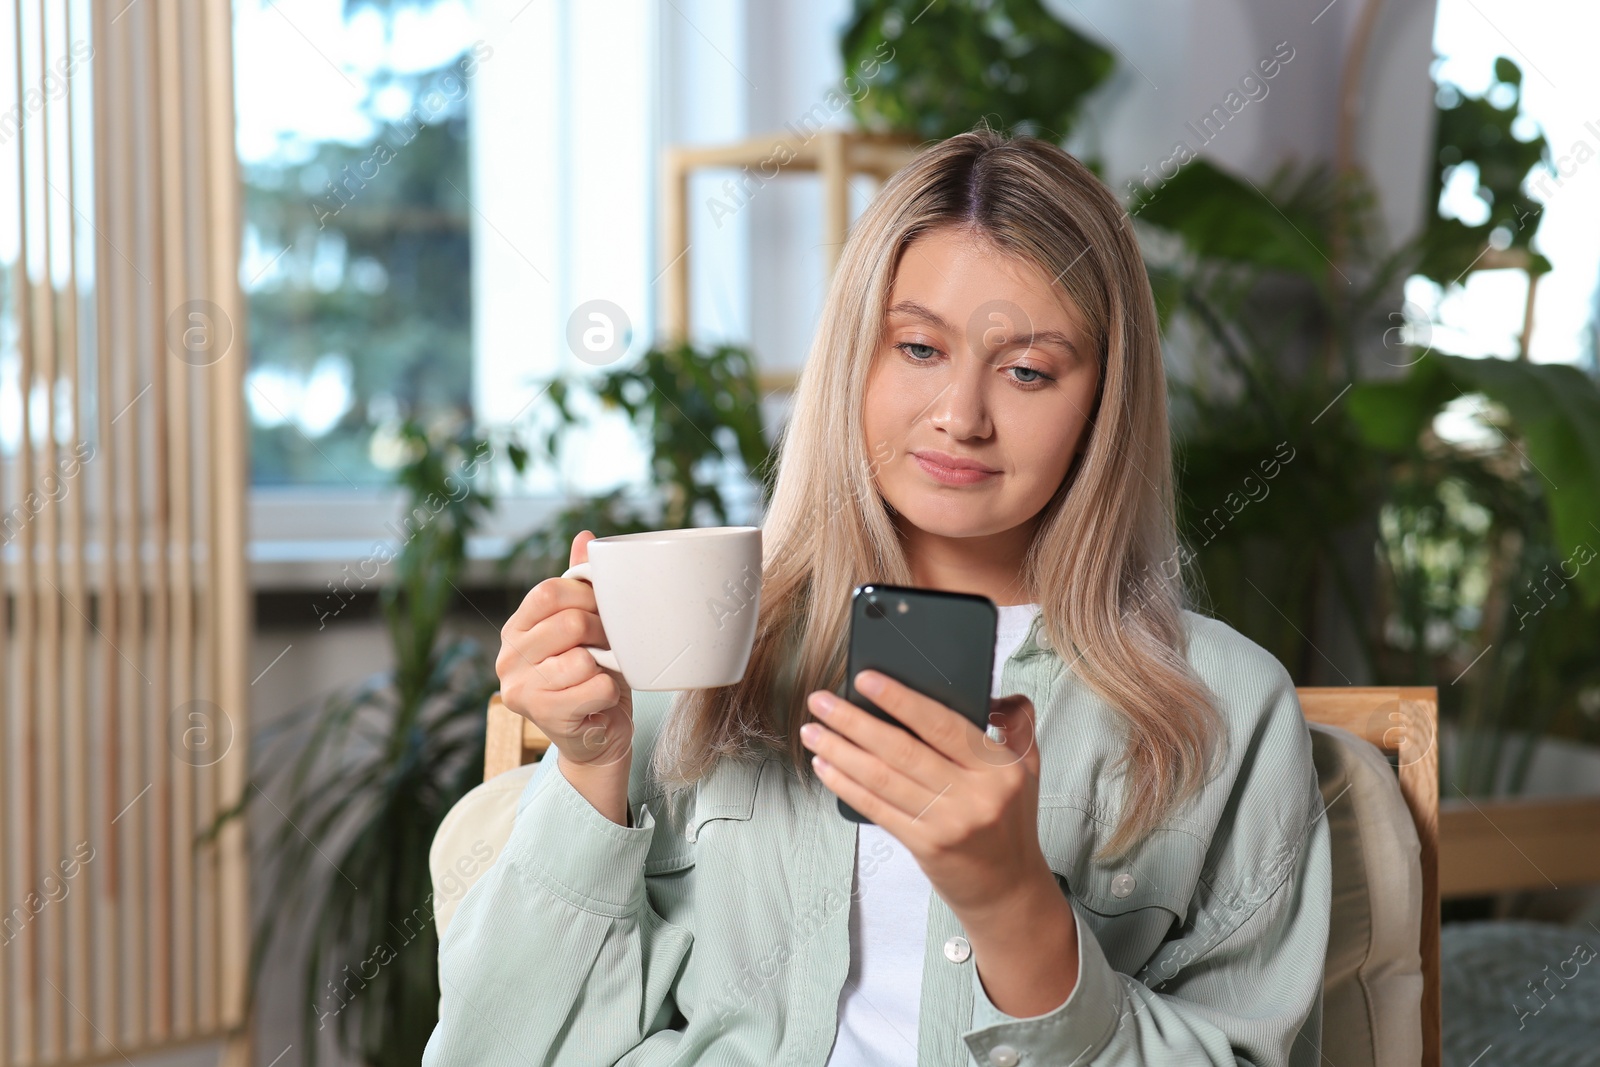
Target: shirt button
column 957, row 949
column 1003, row 1056
column 1122, row 885
column 1042, row 639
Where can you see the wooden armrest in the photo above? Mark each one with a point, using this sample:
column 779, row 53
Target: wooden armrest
column 509, row 740
column 1492, row 846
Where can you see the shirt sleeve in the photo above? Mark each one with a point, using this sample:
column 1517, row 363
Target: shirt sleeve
column 555, row 955
column 1242, row 984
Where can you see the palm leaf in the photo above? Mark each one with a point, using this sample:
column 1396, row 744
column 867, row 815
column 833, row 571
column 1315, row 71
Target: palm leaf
column 363, row 779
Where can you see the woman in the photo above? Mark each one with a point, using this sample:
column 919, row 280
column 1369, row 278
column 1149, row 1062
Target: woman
column 1131, row 868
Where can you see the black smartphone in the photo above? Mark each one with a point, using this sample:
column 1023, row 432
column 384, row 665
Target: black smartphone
column 941, row 644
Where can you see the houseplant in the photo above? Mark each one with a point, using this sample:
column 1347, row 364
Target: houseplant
column 364, row 779
column 1322, row 513
column 951, row 62
column 1392, row 555
column 699, row 409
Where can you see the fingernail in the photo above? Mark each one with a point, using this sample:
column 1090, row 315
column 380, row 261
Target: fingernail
column 810, row 731
column 869, row 682
column 822, row 703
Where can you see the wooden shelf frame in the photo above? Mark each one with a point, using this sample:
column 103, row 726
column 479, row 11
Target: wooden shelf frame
column 834, row 155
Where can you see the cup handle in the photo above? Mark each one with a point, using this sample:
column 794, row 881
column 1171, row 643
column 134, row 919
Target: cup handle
column 603, row 656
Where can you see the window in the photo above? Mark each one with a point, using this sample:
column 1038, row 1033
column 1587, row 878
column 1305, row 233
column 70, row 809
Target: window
column 357, row 257
column 433, row 190
column 554, row 185
column 1486, row 313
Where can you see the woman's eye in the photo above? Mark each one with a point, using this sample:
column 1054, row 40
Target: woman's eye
column 907, row 346
column 1029, row 375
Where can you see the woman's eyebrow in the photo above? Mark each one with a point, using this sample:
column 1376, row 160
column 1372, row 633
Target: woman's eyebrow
column 1055, row 337
column 912, row 309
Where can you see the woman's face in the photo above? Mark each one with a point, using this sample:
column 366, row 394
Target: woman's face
column 984, row 362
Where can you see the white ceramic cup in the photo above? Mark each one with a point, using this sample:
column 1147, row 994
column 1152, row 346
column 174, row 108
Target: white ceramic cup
column 678, row 606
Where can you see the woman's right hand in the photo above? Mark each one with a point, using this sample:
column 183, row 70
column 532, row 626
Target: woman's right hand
column 546, row 677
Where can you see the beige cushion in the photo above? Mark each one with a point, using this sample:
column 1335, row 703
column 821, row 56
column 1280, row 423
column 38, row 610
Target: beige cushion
column 1372, row 983
column 470, row 838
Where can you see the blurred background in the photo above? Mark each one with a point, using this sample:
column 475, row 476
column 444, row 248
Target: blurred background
column 325, row 324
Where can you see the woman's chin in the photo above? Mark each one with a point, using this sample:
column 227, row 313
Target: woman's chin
column 945, row 519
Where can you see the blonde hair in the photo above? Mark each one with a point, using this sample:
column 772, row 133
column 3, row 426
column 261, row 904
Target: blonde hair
column 1102, row 564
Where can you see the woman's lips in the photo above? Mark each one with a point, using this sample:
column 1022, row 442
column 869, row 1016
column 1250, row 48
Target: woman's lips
column 951, row 475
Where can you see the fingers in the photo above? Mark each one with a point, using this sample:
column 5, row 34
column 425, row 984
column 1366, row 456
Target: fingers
column 555, row 634
column 580, row 548
column 601, row 692
column 564, row 688
column 942, row 729
column 548, row 677
column 854, row 773
column 547, row 598
column 528, row 673
column 916, row 774
column 541, row 667
column 864, row 800
column 553, row 594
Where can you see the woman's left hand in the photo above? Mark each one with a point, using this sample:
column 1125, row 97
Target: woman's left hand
column 965, row 805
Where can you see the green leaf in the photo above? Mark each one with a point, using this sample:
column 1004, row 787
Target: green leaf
column 1473, row 131
column 934, row 70
column 1555, row 410
column 1392, row 415
column 1223, row 217
column 1166, row 286
column 363, row 781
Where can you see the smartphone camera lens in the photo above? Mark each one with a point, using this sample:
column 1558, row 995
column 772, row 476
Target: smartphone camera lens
column 902, row 607
column 874, row 609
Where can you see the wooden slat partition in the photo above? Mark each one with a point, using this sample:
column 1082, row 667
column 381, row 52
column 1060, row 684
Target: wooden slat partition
column 75, row 699
column 123, row 598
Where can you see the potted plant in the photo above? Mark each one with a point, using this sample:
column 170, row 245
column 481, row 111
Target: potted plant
column 1010, row 60
column 699, row 409
column 364, row 778
column 1391, row 554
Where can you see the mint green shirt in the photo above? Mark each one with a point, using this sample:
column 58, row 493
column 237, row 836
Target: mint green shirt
column 717, row 932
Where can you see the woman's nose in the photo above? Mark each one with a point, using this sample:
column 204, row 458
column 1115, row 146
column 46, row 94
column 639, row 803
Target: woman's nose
column 961, row 408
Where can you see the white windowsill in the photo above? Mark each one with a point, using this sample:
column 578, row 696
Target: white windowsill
column 302, row 539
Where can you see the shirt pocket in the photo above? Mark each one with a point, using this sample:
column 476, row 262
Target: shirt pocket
column 728, row 792
column 1160, row 872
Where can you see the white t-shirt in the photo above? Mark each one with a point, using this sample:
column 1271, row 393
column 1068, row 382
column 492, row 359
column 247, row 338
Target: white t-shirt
column 878, row 1005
